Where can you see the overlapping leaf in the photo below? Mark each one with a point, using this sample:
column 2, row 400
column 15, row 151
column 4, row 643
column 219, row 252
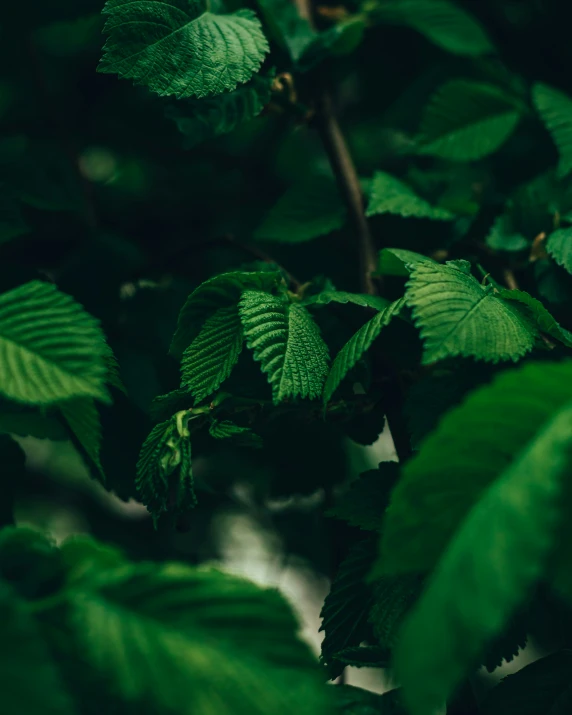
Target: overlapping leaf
column 467, row 120
column 154, row 632
column 555, row 109
column 164, row 470
column 357, row 346
column 50, row 348
column 389, row 195
column 487, row 571
column 202, row 119
column 346, row 608
column 540, row 315
column 444, row 23
column 287, row 343
column 478, row 441
column 180, row 48
column 209, row 359
column 367, row 497
column 29, row 680
column 338, row 296
column 559, row 246
column 84, row 422
column 458, row 316
column 307, row 210
column 541, row 688
column 218, row 292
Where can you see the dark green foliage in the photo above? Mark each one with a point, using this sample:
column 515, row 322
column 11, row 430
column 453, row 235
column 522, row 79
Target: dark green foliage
column 300, row 240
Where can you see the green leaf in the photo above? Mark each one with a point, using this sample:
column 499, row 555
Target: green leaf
column 488, row 570
column 154, row 631
column 458, row 316
column 541, row 688
column 29, row 562
column 180, row 48
column 444, row 23
column 164, row 471
column 364, row 503
column 504, row 237
column 559, row 246
column 540, row 315
column 357, row 346
column 341, row 39
column 210, row 358
column 202, row 119
column 351, row 700
column 394, row 596
column 389, row 195
column 50, row 348
column 466, row 121
column 83, row 558
column 83, row 420
column 287, row 27
column 287, row 343
column 555, row 109
column 366, row 656
column 29, row 681
column 224, row 429
column 337, row 296
column 400, row 262
column 308, row 210
column 346, row 607
column 218, row 292
column 477, row 440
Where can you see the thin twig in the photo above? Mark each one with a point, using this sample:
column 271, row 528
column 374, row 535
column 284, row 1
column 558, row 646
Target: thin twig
column 345, row 172
column 348, row 181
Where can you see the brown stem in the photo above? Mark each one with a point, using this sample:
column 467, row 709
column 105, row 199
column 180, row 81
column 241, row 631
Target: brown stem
column 345, row 172
column 348, row 181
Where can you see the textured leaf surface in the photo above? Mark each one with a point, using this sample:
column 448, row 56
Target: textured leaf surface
column 555, row 109
column 559, row 246
column 154, row 630
column 346, row 608
column 465, row 121
column 309, row 209
column 442, row 22
column 224, row 429
column 394, row 597
column 202, row 119
column 458, row 316
column 287, row 343
column 218, row 292
column 164, row 470
column 364, row 503
column 339, row 296
column 389, row 195
column 476, row 440
column 28, row 678
column 400, row 262
column 357, row 346
column 50, row 348
column 541, row 688
column 209, row 359
column 487, row 571
column 540, row 315
column 180, row 48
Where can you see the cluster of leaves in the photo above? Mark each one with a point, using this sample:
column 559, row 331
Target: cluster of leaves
column 455, row 179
